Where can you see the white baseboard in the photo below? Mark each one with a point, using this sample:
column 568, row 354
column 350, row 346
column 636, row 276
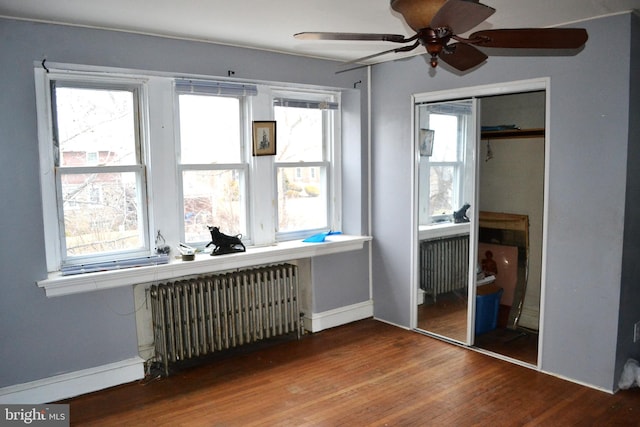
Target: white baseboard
column 74, row 383
column 339, row 316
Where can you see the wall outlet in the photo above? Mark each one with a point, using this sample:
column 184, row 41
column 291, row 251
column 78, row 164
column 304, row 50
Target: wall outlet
column 636, row 332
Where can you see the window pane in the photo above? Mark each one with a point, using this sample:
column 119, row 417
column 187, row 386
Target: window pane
column 299, row 134
column 301, row 199
column 212, row 198
column 445, row 141
column 95, row 126
column 441, row 190
column 102, row 213
column 209, row 129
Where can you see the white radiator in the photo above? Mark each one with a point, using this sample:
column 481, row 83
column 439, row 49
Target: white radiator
column 444, row 264
column 199, row 316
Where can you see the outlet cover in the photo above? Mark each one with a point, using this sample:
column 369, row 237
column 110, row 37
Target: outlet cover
column 636, row 332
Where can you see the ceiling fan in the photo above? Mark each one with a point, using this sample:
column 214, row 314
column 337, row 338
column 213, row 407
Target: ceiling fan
column 438, row 22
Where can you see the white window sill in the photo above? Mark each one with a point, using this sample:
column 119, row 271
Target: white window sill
column 58, row 285
column 443, row 230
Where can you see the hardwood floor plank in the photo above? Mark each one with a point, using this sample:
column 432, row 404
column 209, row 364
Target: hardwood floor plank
column 363, row 374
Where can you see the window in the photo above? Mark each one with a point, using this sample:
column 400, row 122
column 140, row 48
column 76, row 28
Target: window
column 99, row 172
column 305, row 136
column 450, row 123
column 125, row 158
column 212, row 166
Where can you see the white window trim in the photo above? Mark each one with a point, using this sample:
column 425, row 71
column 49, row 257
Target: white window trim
column 47, row 171
column 263, row 219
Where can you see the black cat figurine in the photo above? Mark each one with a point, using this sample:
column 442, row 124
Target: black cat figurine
column 460, row 215
column 224, row 244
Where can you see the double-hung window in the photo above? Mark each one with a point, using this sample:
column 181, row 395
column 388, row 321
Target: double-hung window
column 98, row 186
column 212, row 166
column 304, row 164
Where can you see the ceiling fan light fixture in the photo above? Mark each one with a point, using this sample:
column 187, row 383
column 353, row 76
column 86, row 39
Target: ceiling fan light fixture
column 417, row 13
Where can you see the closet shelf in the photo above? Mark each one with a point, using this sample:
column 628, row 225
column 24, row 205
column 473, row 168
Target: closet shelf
column 513, row 133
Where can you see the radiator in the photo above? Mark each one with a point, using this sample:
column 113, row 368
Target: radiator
column 444, row 264
column 199, row 316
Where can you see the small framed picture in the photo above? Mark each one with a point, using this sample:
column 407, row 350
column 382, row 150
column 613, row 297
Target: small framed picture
column 264, row 138
column 426, row 142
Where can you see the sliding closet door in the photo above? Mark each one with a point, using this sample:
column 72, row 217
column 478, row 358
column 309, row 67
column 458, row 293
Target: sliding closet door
column 445, row 145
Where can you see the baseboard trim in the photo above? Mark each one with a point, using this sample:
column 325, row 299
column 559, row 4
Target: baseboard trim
column 74, row 383
column 582, row 383
column 397, row 325
column 339, row 316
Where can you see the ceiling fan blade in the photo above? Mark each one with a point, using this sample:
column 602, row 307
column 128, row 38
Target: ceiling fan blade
column 531, row 38
column 396, row 38
column 375, row 55
column 461, row 15
column 462, row 56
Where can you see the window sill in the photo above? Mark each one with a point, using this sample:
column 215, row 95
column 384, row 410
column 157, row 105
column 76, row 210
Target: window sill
column 57, row 285
column 442, row 230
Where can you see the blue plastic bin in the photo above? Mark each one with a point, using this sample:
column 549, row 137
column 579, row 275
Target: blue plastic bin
column 487, row 304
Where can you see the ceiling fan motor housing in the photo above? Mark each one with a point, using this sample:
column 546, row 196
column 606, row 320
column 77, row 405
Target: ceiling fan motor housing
column 434, row 40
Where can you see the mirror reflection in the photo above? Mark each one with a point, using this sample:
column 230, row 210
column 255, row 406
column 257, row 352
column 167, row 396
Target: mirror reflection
column 510, row 190
column 445, row 141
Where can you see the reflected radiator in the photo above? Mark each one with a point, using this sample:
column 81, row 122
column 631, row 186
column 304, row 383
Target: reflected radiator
column 199, row 316
column 444, row 264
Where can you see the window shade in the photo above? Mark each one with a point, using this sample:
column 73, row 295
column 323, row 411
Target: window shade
column 449, row 108
column 216, row 88
column 299, row 103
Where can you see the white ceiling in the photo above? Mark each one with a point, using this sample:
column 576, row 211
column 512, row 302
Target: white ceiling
column 270, row 25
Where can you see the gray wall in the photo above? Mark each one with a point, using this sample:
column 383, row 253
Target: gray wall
column 589, row 135
column 339, row 280
column 41, row 337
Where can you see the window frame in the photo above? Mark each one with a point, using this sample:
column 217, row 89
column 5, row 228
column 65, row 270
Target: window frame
column 243, row 168
column 51, row 172
column 329, row 167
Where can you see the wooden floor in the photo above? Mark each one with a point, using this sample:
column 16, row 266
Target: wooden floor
column 363, row 374
column 448, row 317
column 516, row 344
